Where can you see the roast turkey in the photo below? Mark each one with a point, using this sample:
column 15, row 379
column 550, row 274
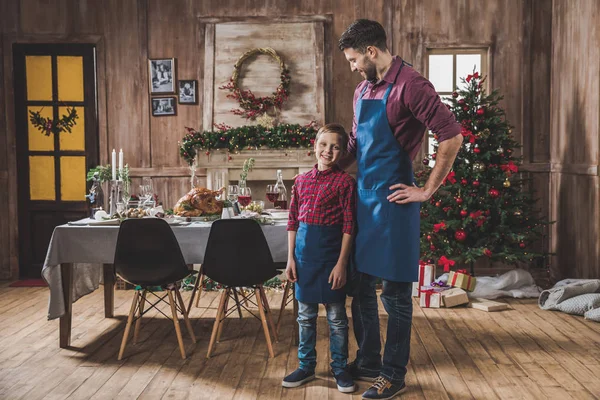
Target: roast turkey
column 199, row 202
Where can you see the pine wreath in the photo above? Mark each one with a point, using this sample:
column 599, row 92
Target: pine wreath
column 250, row 105
column 48, row 126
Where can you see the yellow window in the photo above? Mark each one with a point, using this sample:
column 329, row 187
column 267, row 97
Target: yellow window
column 70, row 78
column 72, row 178
column 37, row 139
column 76, row 139
column 39, row 77
column 41, row 178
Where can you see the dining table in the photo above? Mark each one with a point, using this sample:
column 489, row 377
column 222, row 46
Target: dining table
column 81, row 253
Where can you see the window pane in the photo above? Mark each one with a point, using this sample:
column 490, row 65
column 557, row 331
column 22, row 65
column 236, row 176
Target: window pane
column 41, row 178
column 37, row 139
column 440, row 72
column 70, row 78
column 72, row 178
column 39, row 77
column 76, row 139
column 464, row 66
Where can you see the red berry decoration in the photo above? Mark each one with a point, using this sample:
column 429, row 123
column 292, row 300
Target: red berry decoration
column 476, row 150
column 463, row 213
column 425, row 161
column 433, row 156
column 460, row 235
column 494, row 193
column 475, row 183
column 522, row 245
column 480, row 111
column 438, row 204
column 487, row 252
column 463, row 181
column 459, row 200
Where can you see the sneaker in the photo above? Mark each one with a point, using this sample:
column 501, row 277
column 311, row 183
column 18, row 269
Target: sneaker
column 360, row 374
column 297, row 378
column 382, row 389
column 344, row 381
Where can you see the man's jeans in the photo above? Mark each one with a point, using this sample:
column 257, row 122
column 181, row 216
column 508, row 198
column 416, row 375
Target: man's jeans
column 397, row 301
column 338, row 335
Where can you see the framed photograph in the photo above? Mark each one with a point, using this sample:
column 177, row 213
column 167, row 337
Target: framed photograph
column 162, row 75
column 187, row 91
column 164, row 106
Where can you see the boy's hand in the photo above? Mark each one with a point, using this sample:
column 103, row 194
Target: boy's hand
column 337, row 278
column 290, row 271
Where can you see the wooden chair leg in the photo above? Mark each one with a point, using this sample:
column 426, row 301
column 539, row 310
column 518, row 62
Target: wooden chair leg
column 138, row 323
column 268, row 313
column 176, row 322
column 286, row 293
column 185, row 313
column 263, row 319
column 228, row 291
column 199, row 282
column 128, row 326
column 213, row 336
column 237, row 302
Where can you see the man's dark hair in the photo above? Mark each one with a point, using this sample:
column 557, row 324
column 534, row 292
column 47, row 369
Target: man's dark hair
column 361, row 34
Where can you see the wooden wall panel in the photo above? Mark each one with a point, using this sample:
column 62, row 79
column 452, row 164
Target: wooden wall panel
column 126, row 30
column 45, row 16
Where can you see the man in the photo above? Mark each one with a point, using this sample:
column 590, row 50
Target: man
column 393, row 107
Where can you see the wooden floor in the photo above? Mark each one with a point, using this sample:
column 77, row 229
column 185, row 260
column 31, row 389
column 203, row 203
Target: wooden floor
column 456, row 354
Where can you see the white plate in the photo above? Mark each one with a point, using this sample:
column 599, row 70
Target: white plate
column 280, row 215
column 114, row 221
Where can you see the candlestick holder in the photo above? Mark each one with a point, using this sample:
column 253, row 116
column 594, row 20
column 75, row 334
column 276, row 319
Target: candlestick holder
column 116, row 194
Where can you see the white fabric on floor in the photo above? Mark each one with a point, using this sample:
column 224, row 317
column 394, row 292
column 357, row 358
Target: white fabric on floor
column 516, row 283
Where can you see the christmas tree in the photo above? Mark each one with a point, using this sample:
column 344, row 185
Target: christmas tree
column 481, row 209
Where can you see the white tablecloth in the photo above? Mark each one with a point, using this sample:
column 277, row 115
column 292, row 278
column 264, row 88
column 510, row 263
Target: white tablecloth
column 88, row 247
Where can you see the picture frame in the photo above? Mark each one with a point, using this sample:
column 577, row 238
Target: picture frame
column 187, row 90
column 162, row 75
column 163, row 106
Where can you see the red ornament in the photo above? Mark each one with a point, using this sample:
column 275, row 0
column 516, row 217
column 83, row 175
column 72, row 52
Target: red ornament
column 425, row 161
column 465, row 108
column 463, row 213
column 461, row 102
column 459, row 200
column 522, row 245
column 309, row 153
column 463, row 181
column 476, row 150
column 229, row 158
column 432, row 247
column 494, row 193
column 438, row 204
column 487, row 252
column 475, row 183
column 433, row 156
column 446, row 209
column 454, row 94
column 429, row 237
column 460, row 235
column 480, row 111
column 207, row 153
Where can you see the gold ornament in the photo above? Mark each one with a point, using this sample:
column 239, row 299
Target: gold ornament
column 500, row 150
column 266, row 120
column 506, row 183
column 517, row 213
column 478, row 167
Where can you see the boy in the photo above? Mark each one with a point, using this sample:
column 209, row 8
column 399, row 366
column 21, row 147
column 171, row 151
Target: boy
column 320, row 227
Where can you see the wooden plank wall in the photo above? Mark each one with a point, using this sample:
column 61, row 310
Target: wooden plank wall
column 130, row 31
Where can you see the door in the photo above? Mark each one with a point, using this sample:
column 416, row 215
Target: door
column 52, row 169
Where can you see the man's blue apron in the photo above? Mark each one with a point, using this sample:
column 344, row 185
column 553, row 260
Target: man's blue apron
column 387, row 239
column 318, row 249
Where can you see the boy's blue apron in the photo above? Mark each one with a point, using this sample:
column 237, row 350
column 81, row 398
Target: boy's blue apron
column 387, row 239
column 317, row 251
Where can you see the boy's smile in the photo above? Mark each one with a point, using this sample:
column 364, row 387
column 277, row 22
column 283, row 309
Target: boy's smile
column 328, row 150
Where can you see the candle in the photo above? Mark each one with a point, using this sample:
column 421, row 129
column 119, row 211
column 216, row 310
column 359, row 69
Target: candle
column 113, row 164
column 121, row 164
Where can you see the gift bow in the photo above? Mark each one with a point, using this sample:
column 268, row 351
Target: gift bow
column 469, row 77
column 428, row 294
column 446, row 263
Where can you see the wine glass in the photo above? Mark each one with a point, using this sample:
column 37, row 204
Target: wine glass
column 272, row 193
column 232, row 193
column 245, row 196
column 146, row 191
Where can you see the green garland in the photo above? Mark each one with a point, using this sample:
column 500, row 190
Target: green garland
column 247, row 137
column 48, row 126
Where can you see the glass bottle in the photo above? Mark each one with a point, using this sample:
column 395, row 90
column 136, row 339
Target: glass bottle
column 96, row 195
column 282, row 200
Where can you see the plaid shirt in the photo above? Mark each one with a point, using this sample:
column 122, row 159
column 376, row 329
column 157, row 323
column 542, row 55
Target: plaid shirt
column 323, row 198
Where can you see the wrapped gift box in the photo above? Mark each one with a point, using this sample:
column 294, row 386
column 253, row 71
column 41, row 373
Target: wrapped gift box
column 462, row 279
column 430, row 299
column 454, row 297
column 426, row 276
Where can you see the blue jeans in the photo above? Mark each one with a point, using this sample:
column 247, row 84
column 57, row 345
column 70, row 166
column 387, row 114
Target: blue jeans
column 338, row 335
column 397, row 301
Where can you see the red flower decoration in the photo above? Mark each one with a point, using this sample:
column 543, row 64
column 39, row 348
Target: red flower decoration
column 510, row 167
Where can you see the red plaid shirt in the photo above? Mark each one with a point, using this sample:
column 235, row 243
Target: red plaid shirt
column 323, row 198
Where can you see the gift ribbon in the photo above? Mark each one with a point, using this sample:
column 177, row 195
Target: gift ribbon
column 464, row 272
column 428, row 294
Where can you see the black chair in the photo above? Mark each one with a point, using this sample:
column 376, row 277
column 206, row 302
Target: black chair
column 148, row 255
column 238, row 256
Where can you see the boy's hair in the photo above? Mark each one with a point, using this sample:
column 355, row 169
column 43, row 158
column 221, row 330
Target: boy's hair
column 361, row 34
column 337, row 129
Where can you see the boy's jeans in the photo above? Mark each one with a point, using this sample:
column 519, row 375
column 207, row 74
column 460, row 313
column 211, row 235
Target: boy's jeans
column 397, row 301
column 338, row 335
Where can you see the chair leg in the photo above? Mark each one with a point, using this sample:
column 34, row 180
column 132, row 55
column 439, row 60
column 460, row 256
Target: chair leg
column 286, row 293
column 198, row 285
column 138, row 323
column 213, row 336
column 128, row 326
column 176, row 322
column 263, row 320
column 268, row 313
column 185, row 313
column 237, row 302
column 220, row 331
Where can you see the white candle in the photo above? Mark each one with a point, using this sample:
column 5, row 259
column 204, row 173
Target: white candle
column 121, row 164
column 113, row 164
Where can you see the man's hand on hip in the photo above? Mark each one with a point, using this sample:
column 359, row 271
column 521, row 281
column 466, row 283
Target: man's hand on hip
column 407, row 194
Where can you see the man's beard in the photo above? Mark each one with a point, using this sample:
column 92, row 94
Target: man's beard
column 370, row 71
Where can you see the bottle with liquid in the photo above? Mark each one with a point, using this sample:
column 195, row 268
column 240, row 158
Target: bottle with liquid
column 96, row 195
column 282, row 199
